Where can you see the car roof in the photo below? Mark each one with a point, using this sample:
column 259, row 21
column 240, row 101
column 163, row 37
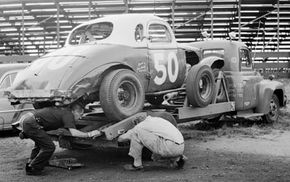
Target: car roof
column 123, row 27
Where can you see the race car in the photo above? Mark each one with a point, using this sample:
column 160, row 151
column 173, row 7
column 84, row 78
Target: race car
column 118, row 60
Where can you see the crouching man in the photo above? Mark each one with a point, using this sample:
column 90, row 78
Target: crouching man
column 34, row 126
column 161, row 137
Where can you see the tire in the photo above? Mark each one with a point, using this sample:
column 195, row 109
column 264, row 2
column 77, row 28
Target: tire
column 155, row 100
column 200, row 86
column 121, row 94
column 165, row 115
column 273, row 114
column 221, row 95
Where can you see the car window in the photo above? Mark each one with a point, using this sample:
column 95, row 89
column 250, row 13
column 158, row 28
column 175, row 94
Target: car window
column 159, row 33
column 89, row 33
column 139, row 32
column 245, row 58
column 7, row 81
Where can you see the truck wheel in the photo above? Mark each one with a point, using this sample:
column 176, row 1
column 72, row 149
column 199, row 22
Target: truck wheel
column 273, row 114
column 121, row 94
column 155, row 100
column 221, row 96
column 200, row 86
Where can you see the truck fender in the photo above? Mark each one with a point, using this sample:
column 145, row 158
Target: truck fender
column 266, row 88
column 213, row 62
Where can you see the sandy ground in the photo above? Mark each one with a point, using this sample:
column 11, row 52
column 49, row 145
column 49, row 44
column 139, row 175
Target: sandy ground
column 229, row 153
column 256, row 153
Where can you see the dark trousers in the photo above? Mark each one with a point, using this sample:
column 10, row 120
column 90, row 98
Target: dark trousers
column 44, row 146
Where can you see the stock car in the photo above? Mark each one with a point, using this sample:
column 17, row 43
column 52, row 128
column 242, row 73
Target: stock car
column 119, row 61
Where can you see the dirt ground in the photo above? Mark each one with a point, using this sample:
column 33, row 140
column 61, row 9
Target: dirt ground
column 232, row 152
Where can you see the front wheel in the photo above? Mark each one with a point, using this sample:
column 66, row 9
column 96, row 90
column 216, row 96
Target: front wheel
column 121, row 94
column 273, row 113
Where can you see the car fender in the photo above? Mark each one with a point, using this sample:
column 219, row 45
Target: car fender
column 266, row 88
column 90, row 82
column 213, row 62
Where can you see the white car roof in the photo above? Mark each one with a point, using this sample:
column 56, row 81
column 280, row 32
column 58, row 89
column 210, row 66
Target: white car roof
column 124, row 27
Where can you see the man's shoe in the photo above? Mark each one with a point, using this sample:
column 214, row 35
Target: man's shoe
column 131, row 167
column 180, row 162
column 27, row 167
column 32, row 171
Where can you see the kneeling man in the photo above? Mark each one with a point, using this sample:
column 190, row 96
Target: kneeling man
column 161, row 137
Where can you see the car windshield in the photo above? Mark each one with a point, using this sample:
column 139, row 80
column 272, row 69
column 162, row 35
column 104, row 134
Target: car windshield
column 90, row 33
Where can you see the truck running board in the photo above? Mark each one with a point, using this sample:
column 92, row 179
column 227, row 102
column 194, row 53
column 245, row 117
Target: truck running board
column 249, row 115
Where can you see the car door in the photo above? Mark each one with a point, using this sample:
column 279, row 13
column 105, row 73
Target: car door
column 166, row 62
column 250, row 79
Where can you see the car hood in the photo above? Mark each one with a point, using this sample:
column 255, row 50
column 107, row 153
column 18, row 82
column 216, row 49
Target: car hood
column 62, row 68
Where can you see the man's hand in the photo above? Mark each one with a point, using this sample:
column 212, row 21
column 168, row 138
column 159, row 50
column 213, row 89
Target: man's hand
column 94, row 133
column 125, row 137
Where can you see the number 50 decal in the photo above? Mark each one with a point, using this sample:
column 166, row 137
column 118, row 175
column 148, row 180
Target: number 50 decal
column 160, row 66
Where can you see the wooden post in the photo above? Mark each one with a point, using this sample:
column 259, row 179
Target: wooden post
column 211, row 17
column 239, row 20
column 90, row 8
column 173, row 15
column 278, row 34
column 22, row 13
column 57, row 22
column 126, row 6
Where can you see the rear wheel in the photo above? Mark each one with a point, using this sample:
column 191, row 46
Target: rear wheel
column 121, row 94
column 273, row 114
column 200, row 86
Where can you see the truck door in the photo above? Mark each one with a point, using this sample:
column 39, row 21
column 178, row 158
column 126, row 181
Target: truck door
column 250, row 79
column 166, row 62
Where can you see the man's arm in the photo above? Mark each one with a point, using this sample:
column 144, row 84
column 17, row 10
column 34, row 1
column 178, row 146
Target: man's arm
column 125, row 137
column 77, row 133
